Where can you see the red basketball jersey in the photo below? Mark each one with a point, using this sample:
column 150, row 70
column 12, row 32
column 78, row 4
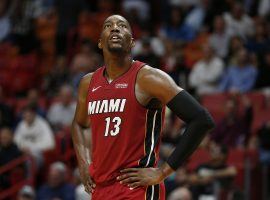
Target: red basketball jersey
column 124, row 133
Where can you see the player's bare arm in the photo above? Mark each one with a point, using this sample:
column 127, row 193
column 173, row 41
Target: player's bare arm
column 155, row 84
column 80, row 123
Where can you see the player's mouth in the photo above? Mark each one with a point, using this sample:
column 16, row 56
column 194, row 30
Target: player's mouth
column 115, row 38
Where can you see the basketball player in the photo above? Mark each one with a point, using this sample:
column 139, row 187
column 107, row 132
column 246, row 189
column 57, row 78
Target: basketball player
column 123, row 103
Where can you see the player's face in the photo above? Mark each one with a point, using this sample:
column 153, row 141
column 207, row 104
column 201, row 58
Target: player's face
column 116, row 35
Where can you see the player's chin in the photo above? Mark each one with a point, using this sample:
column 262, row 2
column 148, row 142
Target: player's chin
column 116, row 48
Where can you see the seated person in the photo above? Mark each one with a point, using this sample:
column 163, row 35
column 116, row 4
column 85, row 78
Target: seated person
column 240, row 77
column 215, row 172
column 61, row 113
column 234, row 129
column 206, row 73
column 8, row 152
column 57, row 186
column 33, row 134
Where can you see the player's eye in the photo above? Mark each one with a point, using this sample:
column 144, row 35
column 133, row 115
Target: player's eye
column 107, row 26
column 123, row 26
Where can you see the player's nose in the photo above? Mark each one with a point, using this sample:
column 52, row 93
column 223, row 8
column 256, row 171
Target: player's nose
column 115, row 28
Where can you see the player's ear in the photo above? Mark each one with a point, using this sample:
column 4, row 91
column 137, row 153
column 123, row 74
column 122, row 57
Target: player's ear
column 99, row 44
column 132, row 42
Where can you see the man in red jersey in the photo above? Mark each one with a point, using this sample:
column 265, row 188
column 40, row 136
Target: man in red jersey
column 123, row 103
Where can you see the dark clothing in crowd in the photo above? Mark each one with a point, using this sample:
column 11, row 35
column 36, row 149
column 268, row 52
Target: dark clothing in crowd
column 233, row 130
column 264, row 137
column 7, row 154
column 63, row 192
column 6, row 116
column 263, row 79
column 209, row 189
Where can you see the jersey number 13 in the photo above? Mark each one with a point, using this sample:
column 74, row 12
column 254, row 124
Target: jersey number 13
column 116, row 121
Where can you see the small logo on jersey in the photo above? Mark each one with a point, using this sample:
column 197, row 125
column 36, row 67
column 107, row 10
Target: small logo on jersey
column 121, row 85
column 95, row 88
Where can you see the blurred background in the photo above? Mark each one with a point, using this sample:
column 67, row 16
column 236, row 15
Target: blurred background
column 219, row 51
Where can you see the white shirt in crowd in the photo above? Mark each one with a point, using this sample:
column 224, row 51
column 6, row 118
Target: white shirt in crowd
column 59, row 114
column 204, row 76
column 155, row 43
column 37, row 137
column 264, row 8
column 240, row 27
column 220, row 43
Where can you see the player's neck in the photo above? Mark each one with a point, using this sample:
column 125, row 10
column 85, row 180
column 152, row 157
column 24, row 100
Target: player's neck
column 116, row 66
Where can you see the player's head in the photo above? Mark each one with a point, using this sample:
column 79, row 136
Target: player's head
column 116, row 35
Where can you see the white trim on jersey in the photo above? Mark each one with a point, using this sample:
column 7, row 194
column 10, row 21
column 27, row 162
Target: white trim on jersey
column 152, row 138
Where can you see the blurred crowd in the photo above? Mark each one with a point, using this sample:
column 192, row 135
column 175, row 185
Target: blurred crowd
column 219, row 51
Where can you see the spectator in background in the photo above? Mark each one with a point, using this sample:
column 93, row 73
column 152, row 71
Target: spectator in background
column 260, row 42
column 141, row 8
column 206, row 73
column 67, row 12
column 263, row 79
column 155, row 42
column 33, row 134
column 238, row 22
column 181, row 193
column 22, row 16
column 264, row 8
column 5, row 25
column 240, row 77
column 220, row 37
column 6, row 113
column 184, row 3
column 8, row 149
column 33, row 99
column 85, row 61
column 147, row 54
column 234, row 129
column 215, row 172
column 45, row 7
column 264, row 143
column 57, row 186
column 58, row 76
column 27, row 193
column 8, row 152
column 236, row 43
column 174, row 63
column 61, row 112
column 176, row 29
column 196, row 16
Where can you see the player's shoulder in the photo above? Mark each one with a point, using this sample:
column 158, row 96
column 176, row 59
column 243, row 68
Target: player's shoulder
column 151, row 74
column 84, row 82
column 86, row 78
